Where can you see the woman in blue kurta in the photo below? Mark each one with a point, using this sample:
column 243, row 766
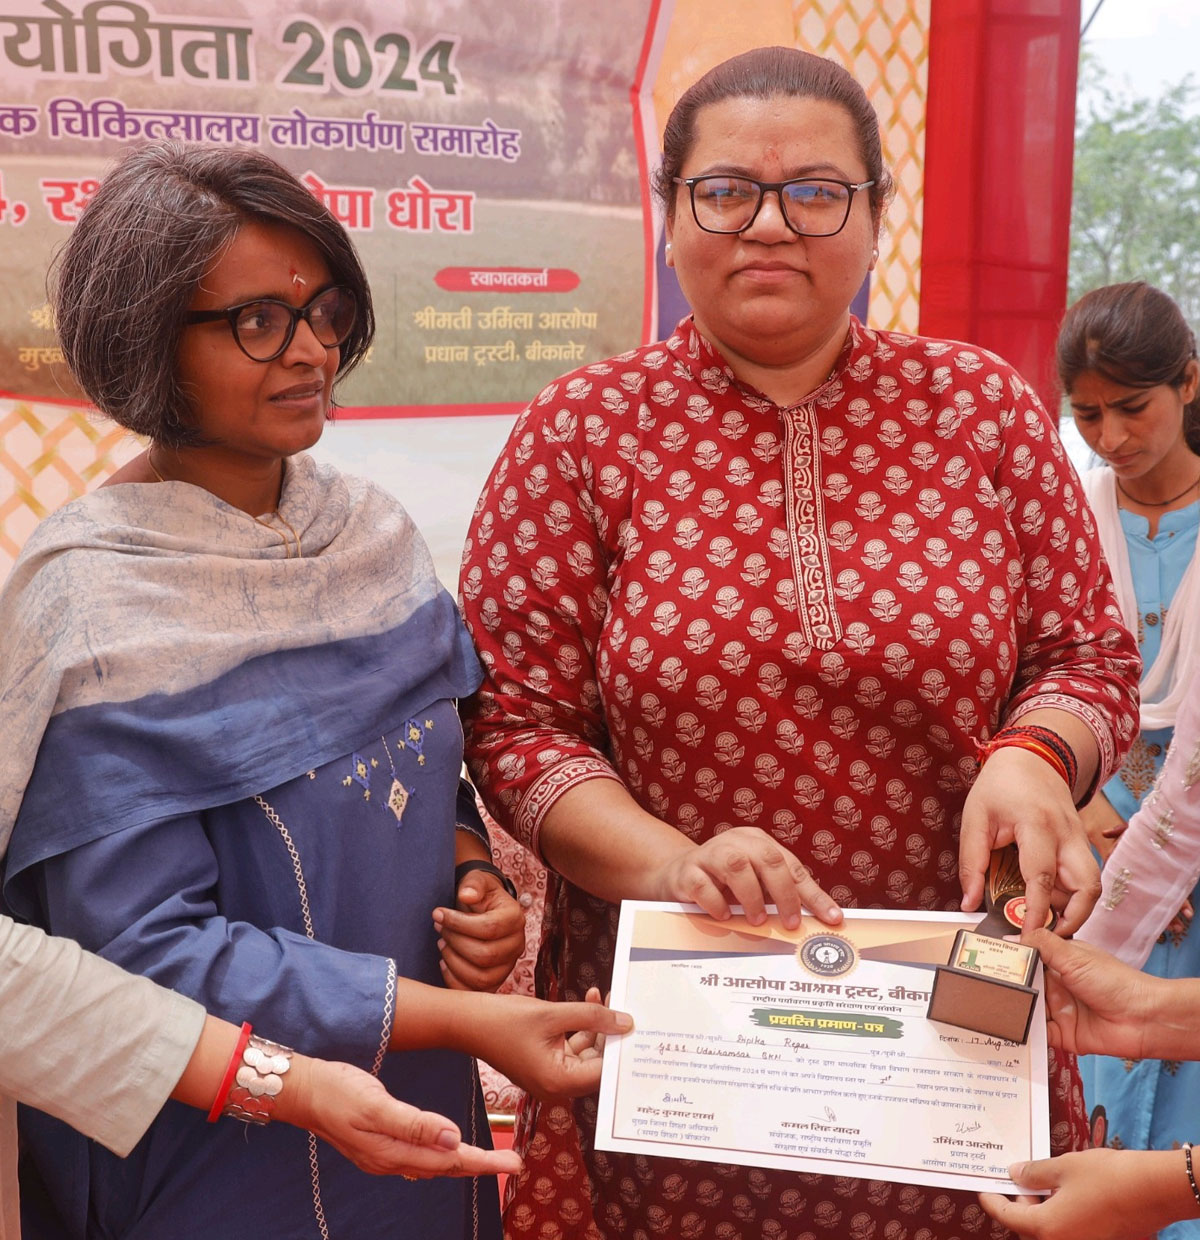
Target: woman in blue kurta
column 1127, row 361
column 232, row 754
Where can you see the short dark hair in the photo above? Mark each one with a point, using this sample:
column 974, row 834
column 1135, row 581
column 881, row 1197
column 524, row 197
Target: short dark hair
column 126, row 277
column 766, row 73
column 1132, row 334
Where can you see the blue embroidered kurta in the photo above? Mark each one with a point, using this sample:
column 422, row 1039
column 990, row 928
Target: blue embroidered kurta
column 246, row 790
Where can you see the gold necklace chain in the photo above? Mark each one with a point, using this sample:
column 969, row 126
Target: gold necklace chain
column 291, row 529
column 153, row 467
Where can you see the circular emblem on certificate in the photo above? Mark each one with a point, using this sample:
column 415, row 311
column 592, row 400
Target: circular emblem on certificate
column 827, row 955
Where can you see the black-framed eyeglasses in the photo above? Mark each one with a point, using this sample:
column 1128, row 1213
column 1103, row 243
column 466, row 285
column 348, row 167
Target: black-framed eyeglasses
column 811, row 206
column 264, row 328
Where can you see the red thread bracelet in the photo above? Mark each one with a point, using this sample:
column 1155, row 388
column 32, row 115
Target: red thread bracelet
column 1054, row 742
column 227, row 1080
column 1002, row 740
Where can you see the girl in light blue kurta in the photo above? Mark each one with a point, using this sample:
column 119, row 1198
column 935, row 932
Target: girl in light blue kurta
column 1127, row 361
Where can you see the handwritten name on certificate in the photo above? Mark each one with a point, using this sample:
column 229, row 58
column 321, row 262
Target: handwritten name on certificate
column 809, row 1050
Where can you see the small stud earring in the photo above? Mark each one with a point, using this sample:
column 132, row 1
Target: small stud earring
column 668, row 247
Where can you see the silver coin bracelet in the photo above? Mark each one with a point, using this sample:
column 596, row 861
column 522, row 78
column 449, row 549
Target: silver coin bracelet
column 253, row 1080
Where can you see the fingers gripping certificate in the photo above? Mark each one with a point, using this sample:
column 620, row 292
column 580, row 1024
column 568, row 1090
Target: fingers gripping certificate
column 809, row 1050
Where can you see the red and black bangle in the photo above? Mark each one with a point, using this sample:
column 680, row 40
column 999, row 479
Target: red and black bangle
column 1045, row 742
column 1058, row 744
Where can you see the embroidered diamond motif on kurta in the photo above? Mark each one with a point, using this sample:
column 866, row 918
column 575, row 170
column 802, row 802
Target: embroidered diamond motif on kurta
column 397, row 799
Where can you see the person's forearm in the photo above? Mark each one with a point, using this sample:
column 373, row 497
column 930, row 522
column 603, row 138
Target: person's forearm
column 206, row 1073
column 434, row 1016
column 322, row 999
column 597, row 837
column 469, row 847
column 101, row 1027
column 1078, row 735
column 341, row 1104
column 1102, row 1194
column 206, row 1070
column 1152, row 870
column 1170, row 1024
column 1164, row 1194
column 202, row 1076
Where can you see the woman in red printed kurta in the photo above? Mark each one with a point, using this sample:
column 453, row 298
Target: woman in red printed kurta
column 746, row 599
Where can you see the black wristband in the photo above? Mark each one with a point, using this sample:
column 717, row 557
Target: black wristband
column 468, row 867
column 1191, row 1174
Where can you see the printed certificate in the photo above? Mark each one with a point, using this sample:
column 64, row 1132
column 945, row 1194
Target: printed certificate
column 809, row 1050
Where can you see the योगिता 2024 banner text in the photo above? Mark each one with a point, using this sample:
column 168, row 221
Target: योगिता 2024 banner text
column 484, row 157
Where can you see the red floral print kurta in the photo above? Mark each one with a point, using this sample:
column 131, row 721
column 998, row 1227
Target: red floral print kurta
column 799, row 619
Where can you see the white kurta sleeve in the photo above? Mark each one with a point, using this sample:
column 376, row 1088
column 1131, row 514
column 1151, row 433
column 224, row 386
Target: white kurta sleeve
column 85, row 1041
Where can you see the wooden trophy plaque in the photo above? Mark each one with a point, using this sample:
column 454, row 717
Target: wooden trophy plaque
column 986, row 986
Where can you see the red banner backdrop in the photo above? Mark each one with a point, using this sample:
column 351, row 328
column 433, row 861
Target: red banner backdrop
column 999, row 148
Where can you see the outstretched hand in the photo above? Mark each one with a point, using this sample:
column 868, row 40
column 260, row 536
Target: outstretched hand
column 353, row 1112
column 1094, row 1003
column 1101, row 1194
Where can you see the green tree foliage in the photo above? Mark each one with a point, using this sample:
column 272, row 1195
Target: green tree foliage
column 1136, row 208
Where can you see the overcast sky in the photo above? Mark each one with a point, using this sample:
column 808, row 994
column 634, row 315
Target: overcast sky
column 1147, row 43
